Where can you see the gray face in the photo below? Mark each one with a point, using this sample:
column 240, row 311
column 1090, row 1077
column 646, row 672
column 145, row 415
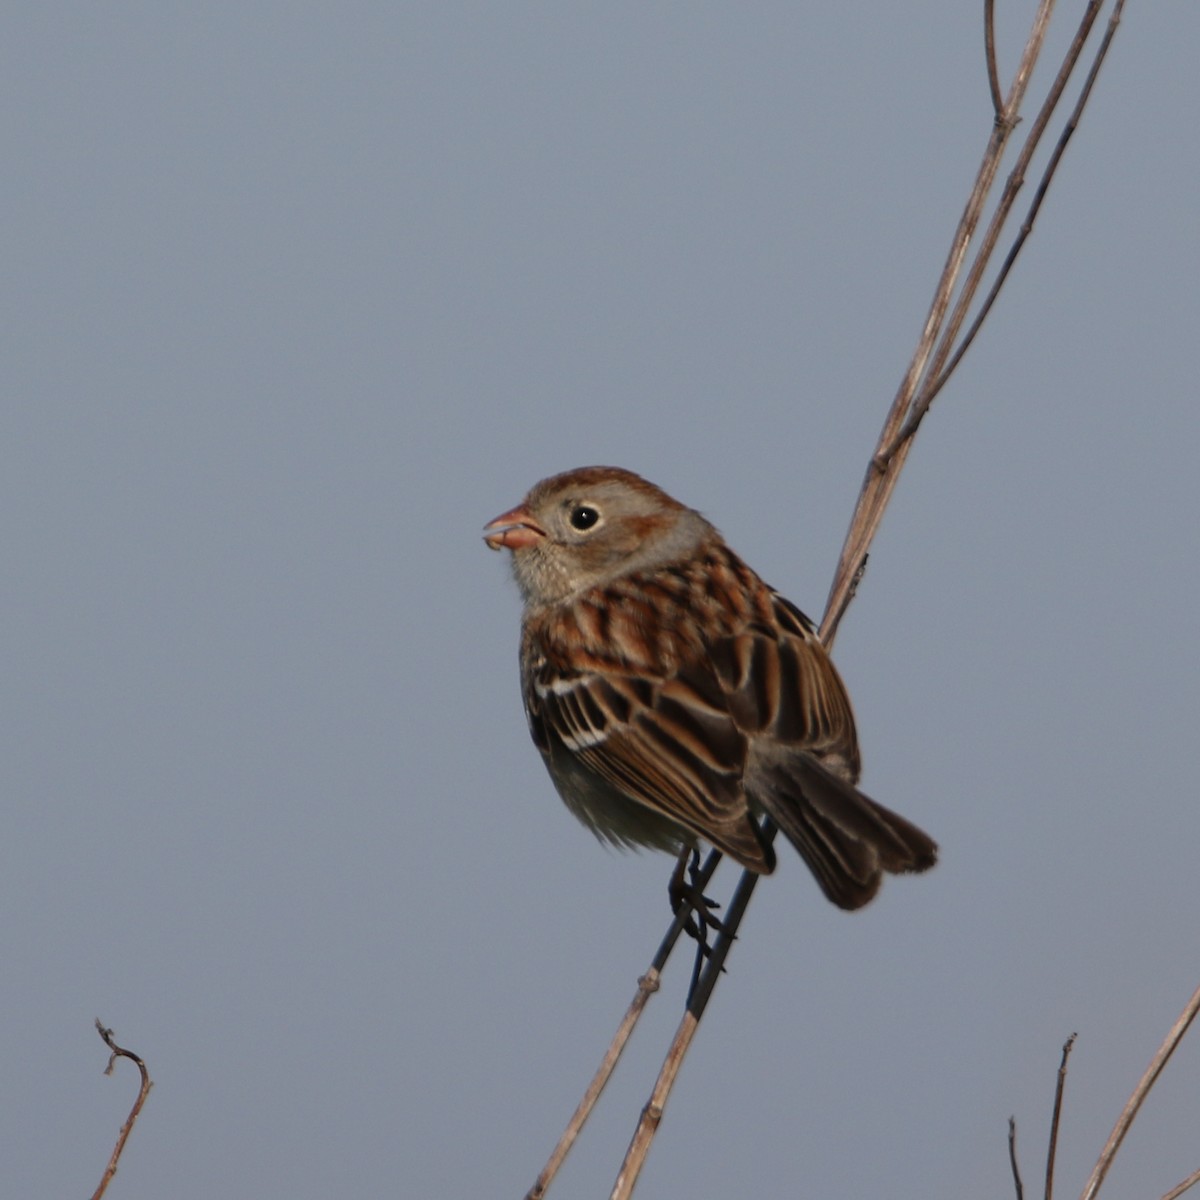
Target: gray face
column 594, row 534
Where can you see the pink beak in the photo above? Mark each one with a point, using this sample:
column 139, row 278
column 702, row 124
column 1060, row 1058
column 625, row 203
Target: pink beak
column 513, row 530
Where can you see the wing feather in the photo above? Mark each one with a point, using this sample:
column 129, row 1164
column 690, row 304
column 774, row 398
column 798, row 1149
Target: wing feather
column 670, row 747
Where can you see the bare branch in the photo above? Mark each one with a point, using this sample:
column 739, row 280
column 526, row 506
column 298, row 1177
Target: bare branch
column 652, row 1112
column 989, row 47
column 1015, row 181
column 1125, row 1120
column 1054, row 1120
column 1180, row 1188
column 936, row 377
column 1012, row 1158
column 940, row 349
column 898, row 428
column 647, row 985
column 127, row 1128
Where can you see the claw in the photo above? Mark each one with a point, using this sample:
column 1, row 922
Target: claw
column 684, row 892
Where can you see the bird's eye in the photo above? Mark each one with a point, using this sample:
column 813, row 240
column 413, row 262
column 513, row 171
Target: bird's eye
column 583, row 517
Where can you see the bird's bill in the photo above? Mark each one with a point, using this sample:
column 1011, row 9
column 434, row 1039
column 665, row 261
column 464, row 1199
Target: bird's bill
column 513, row 530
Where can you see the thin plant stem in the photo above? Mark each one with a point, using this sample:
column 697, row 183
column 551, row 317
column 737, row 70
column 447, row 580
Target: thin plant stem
column 127, row 1128
column 652, row 1111
column 894, row 443
column 1139, row 1094
column 1186, row 1185
column 1012, row 1158
column 647, row 985
column 1052, row 1152
column 989, row 49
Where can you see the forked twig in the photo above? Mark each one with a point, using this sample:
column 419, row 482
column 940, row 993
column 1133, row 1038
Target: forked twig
column 936, row 376
column 127, row 1128
column 895, row 441
column 1125, row 1120
column 941, row 349
column 1017, row 176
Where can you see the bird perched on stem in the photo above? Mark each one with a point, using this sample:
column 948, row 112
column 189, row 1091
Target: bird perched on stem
column 675, row 696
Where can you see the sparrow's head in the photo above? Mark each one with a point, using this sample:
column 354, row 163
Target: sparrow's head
column 587, row 527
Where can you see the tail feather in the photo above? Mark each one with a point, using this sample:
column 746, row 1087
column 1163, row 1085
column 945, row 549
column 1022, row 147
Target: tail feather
column 847, row 840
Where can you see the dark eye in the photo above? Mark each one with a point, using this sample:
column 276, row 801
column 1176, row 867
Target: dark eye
column 584, row 516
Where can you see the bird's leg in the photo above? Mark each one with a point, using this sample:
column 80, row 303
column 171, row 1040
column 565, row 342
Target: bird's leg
column 703, row 953
column 684, row 891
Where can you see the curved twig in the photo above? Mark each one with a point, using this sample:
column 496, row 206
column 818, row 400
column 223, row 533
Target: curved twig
column 144, row 1091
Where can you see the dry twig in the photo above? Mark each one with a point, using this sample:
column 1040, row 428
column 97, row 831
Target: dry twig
column 1180, row 1188
column 651, row 1117
column 144, row 1091
column 1147, row 1081
column 1054, row 1120
column 940, row 348
column 647, row 985
column 1052, row 1151
column 1012, row 1158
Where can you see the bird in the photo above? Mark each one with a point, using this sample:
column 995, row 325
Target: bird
column 676, row 698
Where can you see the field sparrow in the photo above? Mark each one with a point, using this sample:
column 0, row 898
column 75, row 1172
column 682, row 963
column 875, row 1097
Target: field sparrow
column 674, row 695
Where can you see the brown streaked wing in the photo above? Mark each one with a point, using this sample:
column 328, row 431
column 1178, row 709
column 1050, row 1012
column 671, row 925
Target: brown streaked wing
column 583, row 710
column 779, row 681
column 670, row 746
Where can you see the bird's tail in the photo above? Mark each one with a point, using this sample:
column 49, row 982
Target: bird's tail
column 846, row 838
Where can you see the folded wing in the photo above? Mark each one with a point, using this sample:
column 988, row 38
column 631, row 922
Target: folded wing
column 668, row 745
column 786, row 696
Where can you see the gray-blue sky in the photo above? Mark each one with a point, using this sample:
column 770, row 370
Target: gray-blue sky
column 296, row 298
